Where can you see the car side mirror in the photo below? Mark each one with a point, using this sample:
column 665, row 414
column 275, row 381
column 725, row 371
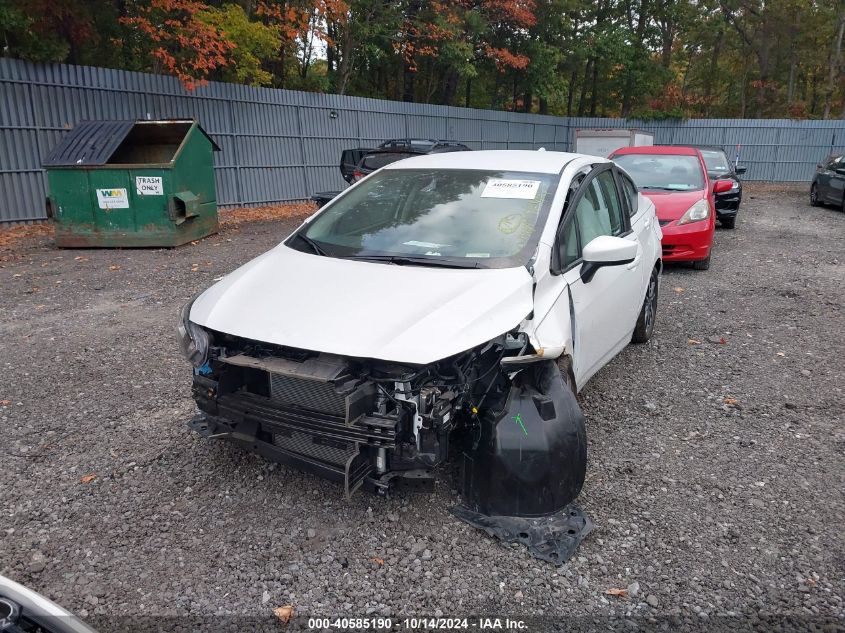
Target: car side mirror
column 740, row 170
column 721, row 186
column 606, row 250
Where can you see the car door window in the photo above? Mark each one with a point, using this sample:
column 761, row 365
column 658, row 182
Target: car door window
column 631, row 193
column 598, row 212
column 612, row 205
column 570, row 251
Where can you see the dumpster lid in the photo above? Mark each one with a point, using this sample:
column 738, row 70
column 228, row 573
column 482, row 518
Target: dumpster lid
column 95, row 142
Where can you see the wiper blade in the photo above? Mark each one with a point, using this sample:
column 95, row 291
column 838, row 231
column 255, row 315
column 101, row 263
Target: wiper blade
column 314, row 246
column 410, row 260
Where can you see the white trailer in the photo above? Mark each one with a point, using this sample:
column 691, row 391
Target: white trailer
column 597, row 142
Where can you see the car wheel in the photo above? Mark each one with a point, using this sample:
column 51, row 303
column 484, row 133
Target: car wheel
column 814, row 196
column 728, row 223
column 702, row 264
column 645, row 322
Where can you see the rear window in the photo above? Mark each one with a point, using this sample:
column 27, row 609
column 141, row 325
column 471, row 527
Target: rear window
column 377, row 161
column 663, row 172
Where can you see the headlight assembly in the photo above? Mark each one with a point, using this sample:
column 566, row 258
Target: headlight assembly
column 193, row 339
column 696, row 213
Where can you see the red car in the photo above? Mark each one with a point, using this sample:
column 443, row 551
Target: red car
column 676, row 180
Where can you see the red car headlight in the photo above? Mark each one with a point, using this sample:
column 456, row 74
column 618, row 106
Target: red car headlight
column 696, row 213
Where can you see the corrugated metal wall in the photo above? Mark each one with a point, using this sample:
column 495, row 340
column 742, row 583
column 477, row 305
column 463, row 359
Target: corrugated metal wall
column 281, row 145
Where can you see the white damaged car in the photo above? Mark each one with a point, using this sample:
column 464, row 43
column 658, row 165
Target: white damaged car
column 446, row 307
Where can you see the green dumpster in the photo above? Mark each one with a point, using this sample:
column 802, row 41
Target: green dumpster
column 132, row 183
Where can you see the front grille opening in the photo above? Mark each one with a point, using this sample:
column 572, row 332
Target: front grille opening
column 247, row 379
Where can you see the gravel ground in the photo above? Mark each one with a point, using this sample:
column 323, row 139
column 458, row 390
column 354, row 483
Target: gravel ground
column 716, row 476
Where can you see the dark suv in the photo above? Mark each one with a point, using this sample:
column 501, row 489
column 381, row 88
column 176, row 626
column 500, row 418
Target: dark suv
column 359, row 162
column 720, row 168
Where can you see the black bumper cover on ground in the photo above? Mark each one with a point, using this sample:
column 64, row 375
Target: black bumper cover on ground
column 521, row 476
column 552, row 538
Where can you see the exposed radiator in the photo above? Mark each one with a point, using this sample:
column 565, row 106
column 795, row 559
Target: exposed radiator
column 308, row 394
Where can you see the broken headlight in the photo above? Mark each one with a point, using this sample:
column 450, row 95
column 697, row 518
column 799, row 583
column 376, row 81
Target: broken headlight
column 193, row 339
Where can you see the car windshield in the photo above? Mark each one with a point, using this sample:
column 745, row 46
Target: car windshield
column 666, row 172
column 716, row 161
column 459, row 215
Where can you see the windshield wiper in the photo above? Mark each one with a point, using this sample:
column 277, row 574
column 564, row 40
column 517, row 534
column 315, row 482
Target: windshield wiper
column 663, row 188
column 314, row 246
column 410, row 260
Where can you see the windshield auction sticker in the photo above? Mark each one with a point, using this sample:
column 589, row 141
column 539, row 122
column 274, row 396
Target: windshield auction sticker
column 506, row 188
column 112, row 199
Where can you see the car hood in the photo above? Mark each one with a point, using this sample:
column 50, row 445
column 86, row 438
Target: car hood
column 671, row 205
column 408, row 314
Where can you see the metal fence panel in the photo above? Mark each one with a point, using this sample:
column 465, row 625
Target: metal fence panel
column 280, row 145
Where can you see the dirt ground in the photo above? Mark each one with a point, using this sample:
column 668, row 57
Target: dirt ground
column 716, row 474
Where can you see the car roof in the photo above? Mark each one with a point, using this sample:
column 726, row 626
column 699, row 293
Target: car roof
column 498, row 159
column 671, row 150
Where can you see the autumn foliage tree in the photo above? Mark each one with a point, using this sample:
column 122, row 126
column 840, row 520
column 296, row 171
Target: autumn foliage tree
column 637, row 58
column 178, row 41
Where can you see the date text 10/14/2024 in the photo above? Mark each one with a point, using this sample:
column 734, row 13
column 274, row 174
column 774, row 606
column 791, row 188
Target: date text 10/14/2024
column 422, row 623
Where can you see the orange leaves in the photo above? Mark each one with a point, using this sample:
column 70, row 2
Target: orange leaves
column 285, row 613
column 87, row 479
column 447, row 21
column 519, row 13
column 292, row 21
column 185, row 45
column 505, row 59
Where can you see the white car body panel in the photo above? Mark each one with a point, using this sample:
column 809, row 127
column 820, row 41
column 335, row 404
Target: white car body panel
column 365, row 309
column 420, row 315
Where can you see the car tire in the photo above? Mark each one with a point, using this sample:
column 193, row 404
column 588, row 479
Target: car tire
column 814, row 196
column 702, row 264
column 648, row 313
column 728, row 223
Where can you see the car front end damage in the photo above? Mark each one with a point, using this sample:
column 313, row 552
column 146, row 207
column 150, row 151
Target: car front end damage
column 500, row 410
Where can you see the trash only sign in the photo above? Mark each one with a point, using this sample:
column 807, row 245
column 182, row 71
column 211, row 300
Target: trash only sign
column 112, row 199
column 149, row 186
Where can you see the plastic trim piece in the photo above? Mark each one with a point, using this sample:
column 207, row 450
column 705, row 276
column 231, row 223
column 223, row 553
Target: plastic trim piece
column 552, row 538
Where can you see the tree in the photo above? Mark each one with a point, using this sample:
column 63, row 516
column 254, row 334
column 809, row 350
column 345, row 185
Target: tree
column 174, row 37
column 645, row 58
column 251, row 43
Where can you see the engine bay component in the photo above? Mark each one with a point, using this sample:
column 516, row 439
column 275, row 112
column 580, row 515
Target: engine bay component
column 516, row 428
